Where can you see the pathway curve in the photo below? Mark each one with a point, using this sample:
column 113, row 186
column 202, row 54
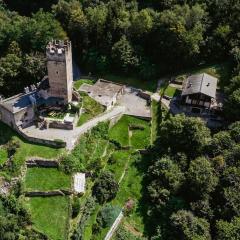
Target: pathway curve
column 71, row 136
column 78, row 131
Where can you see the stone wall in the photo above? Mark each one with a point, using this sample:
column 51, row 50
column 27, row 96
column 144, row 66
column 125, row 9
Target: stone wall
column 52, row 193
column 60, row 125
column 51, row 143
column 37, row 162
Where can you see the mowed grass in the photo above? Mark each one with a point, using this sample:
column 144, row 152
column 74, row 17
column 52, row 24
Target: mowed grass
column 117, row 163
column 92, row 109
column 26, row 148
column 78, row 83
column 46, row 179
column 140, row 138
column 50, row 216
column 149, row 85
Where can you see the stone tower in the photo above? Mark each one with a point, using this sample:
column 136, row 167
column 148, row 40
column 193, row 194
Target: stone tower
column 59, row 66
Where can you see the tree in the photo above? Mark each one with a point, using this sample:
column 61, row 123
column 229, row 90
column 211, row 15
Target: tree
column 165, row 174
column 235, row 131
column 9, row 228
column 179, row 34
column 184, row 134
column 189, row 227
column 142, row 22
column 231, row 190
column 228, row 230
column 201, row 177
column 220, row 142
column 105, row 187
column 123, row 55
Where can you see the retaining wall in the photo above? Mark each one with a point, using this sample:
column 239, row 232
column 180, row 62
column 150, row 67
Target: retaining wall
column 36, row 162
column 52, row 193
column 51, row 143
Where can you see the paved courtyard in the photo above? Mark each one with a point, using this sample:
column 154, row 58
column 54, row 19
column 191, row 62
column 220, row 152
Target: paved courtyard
column 134, row 104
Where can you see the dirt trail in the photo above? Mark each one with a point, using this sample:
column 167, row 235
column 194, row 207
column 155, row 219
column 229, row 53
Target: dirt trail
column 132, row 230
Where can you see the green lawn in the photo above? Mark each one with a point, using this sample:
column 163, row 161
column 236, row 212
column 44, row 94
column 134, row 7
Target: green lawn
column 149, row 85
column 140, row 138
column 117, row 163
column 46, row 179
column 131, row 187
column 3, row 156
column 170, row 91
column 78, row 83
column 92, row 109
column 26, row 148
column 50, row 216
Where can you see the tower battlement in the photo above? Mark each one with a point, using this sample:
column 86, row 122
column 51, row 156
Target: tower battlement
column 59, row 65
column 57, row 50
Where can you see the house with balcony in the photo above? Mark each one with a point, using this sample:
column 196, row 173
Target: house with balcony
column 199, row 93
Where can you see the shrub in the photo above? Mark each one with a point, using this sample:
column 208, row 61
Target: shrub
column 12, row 147
column 70, row 164
column 75, row 206
column 105, row 187
column 108, row 215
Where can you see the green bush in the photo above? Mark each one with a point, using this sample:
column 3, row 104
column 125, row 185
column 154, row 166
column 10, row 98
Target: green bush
column 105, row 187
column 108, row 215
column 75, row 206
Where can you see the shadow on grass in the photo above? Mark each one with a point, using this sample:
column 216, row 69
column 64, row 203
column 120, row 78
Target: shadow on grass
column 150, row 222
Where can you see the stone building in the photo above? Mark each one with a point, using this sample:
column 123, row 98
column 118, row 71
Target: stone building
column 59, row 66
column 56, row 89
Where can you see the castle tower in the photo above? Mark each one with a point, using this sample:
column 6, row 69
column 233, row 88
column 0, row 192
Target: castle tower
column 59, row 66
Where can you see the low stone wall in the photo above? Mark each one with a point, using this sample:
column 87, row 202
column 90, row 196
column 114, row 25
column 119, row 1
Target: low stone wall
column 52, row 193
column 60, row 125
column 51, row 143
column 36, row 162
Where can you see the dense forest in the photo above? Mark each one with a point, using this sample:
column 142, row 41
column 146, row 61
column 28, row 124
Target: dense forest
column 192, row 187
column 143, row 38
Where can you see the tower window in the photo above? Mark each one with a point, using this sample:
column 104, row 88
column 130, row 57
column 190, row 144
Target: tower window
column 56, row 72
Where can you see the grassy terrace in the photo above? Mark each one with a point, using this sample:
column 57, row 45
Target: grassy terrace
column 92, row 109
column 127, row 167
column 78, row 83
column 46, row 179
column 117, row 162
column 120, row 132
column 50, row 215
column 25, row 150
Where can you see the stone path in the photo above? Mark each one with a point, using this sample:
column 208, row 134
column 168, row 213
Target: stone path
column 72, row 136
